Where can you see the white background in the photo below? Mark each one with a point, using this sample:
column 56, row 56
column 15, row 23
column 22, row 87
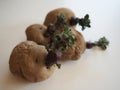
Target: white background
column 96, row 69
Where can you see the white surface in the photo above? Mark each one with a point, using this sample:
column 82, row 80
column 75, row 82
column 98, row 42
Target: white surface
column 96, row 69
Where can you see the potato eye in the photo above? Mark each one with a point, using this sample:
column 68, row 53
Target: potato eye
column 37, row 60
column 40, row 28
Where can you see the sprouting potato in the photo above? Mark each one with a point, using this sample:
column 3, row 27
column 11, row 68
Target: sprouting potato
column 27, row 61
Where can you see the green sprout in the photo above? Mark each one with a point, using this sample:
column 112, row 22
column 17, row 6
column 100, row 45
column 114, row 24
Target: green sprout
column 102, row 43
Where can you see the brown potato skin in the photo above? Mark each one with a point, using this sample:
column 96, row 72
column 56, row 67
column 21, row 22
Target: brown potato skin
column 75, row 52
column 36, row 32
column 27, row 61
column 52, row 15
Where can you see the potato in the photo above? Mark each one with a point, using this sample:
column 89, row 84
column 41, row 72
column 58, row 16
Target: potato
column 52, row 15
column 75, row 52
column 36, row 32
column 27, row 60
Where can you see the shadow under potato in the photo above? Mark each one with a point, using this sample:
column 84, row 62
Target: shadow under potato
column 11, row 82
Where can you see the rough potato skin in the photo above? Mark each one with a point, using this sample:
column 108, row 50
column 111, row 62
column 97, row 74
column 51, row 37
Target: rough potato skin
column 52, row 15
column 27, row 61
column 36, row 32
column 75, row 52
